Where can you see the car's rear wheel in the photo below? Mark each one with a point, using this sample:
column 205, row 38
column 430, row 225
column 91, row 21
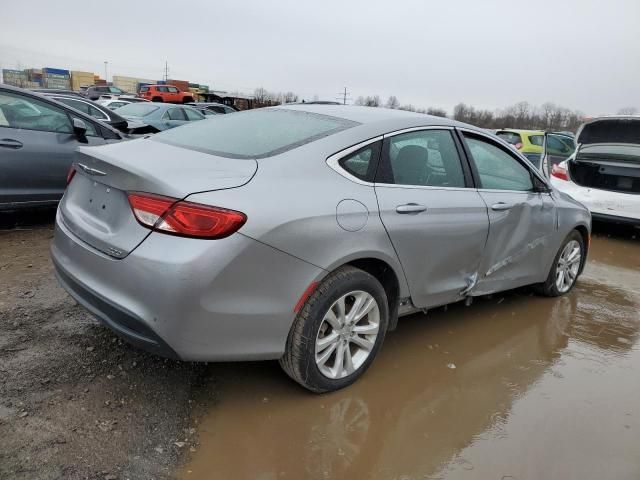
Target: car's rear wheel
column 338, row 332
column 566, row 267
column 187, row 100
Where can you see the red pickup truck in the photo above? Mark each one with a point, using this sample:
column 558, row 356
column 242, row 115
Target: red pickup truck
column 165, row 93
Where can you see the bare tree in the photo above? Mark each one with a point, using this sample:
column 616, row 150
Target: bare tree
column 261, row 95
column 392, row 102
column 436, row 112
column 628, row 111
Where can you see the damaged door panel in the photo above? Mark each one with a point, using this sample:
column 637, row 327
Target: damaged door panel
column 436, row 221
column 522, row 218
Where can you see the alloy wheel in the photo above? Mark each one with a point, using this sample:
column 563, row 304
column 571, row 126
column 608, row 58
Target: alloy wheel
column 568, row 266
column 347, row 334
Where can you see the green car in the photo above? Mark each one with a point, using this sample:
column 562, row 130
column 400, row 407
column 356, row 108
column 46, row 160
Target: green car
column 527, row 142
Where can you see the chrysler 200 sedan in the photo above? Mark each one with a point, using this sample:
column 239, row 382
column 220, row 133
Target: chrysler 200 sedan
column 301, row 233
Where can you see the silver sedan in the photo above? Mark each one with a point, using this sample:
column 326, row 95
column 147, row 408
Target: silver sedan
column 302, row 232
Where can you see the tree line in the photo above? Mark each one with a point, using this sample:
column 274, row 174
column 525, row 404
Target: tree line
column 523, row 115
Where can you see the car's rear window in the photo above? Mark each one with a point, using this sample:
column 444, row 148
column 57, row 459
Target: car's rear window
column 253, row 134
column 137, row 109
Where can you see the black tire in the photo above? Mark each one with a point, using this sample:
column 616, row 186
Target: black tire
column 187, row 100
column 157, row 99
column 299, row 357
column 549, row 287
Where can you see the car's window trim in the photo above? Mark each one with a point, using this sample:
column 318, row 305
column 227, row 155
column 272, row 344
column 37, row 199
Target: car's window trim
column 333, row 161
column 466, row 172
column 504, row 146
column 108, row 118
column 56, row 105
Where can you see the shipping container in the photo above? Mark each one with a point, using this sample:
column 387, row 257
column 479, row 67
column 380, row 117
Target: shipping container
column 56, row 71
column 79, row 79
column 182, row 85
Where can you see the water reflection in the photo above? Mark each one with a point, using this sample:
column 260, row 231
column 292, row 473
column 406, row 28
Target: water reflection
column 415, row 416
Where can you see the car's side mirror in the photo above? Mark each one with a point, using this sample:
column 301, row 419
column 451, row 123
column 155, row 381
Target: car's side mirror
column 539, row 186
column 80, row 130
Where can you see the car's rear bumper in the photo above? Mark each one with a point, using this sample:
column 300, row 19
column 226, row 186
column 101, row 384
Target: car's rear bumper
column 201, row 300
column 603, row 204
column 603, row 217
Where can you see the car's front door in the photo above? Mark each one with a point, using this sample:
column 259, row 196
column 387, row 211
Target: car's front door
column 435, row 219
column 37, row 144
column 522, row 216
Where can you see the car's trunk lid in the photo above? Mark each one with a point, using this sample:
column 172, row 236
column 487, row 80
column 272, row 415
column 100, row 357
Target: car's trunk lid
column 96, row 208
column 610, row 130
column 613, row 167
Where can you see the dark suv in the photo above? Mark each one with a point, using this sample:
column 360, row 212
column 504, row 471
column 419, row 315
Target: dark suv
column 94, row 92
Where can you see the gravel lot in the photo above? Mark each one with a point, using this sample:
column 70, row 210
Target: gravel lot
column 75, row 401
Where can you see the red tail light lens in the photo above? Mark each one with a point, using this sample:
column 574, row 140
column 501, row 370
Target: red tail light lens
column 518, row 146
column 560, row 171
column 186, row 219
column 71, row 174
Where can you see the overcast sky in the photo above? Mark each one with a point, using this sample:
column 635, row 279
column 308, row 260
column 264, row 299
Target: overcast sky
column 582, row 54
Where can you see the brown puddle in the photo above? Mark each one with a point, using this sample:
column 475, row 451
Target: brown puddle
column 541, row 389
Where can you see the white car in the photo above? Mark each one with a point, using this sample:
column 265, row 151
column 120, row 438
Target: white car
column 112, row 104
column 604, row 171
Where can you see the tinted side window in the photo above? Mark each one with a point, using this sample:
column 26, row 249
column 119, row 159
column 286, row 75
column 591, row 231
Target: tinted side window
column 496, row 168
column 424, row 158
column 217, row 109
column 362, row 163
column 536, row 140
column 81, row 106
column 172, row 89
column 19, row 111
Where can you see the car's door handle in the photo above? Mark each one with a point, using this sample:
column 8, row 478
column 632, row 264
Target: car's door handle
column 10, row 143
column 501, row 206
column 411, row 208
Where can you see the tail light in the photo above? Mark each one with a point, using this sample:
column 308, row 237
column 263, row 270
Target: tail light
column 518, row 146
column 560, row 172
column 185, row 219
column 71, row 174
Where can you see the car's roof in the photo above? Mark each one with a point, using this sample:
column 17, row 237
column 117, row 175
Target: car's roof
column 368, row 115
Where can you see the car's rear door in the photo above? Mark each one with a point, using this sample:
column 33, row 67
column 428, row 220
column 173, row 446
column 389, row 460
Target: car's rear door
column 174, row 117
column 522, row 216
column 36, row 148
column 435, row 219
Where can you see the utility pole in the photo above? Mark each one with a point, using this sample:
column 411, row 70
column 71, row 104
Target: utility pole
column 166, row 71
column 344, row 96
column 105, row 70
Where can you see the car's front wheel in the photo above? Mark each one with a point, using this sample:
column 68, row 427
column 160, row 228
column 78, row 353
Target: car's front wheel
column 338, row 332
column 566, row 266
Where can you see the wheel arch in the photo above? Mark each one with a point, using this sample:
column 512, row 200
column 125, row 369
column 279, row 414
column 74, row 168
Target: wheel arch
column 586, row 241
column 391, row 278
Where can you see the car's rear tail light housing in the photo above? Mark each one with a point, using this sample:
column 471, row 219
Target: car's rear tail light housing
column 71, row 174
column 185, row 219
column 559, row 171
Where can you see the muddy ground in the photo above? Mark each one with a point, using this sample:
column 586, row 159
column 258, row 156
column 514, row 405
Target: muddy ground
column 514, row 386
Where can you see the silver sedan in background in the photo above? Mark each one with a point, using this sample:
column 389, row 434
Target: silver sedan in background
column 302, row 232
